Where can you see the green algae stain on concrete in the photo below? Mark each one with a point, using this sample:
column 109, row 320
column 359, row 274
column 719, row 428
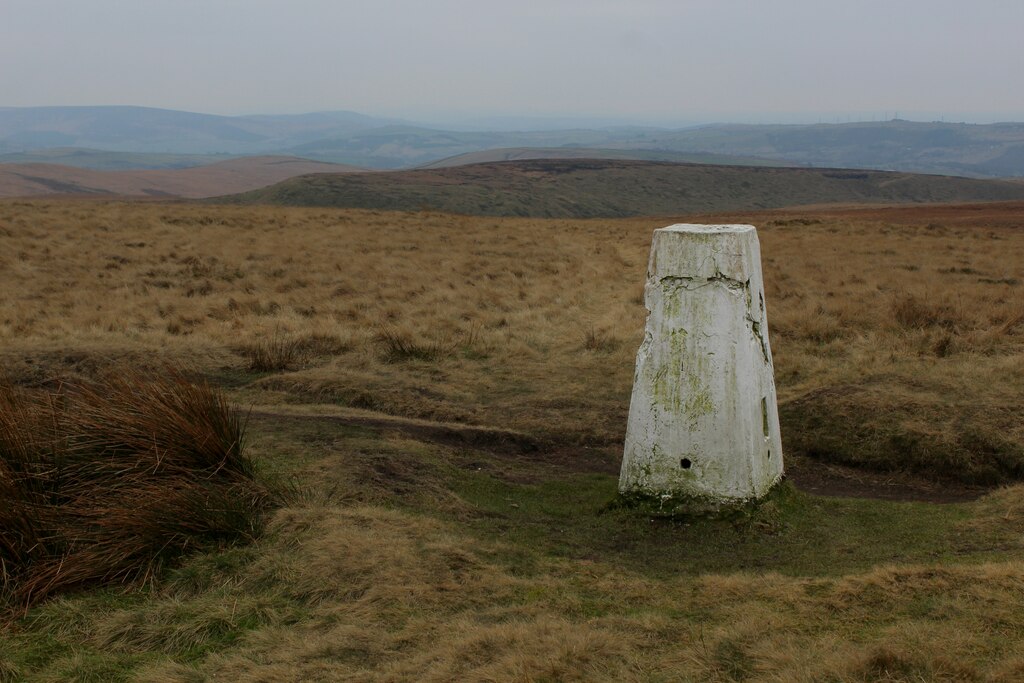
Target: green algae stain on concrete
column 669, row 371
column 698, row 402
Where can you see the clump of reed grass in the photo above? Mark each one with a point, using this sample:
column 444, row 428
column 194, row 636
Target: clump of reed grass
column 104, row 482
column 271, row 355
column 913, row 312
column 399, row 345
column 600, row 340
column 285, row 353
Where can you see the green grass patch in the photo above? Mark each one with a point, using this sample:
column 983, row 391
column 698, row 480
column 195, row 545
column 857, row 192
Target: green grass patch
column 789, row 532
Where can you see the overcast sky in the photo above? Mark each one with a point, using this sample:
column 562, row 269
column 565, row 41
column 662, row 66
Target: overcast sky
column 645, row 60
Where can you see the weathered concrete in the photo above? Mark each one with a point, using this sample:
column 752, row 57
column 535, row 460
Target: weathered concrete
column 703, row 420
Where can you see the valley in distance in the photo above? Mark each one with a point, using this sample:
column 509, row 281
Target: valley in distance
column 366, row 424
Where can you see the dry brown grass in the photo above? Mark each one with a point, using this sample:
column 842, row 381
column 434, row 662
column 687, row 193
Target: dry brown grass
column 898, row 342
column 904, row 328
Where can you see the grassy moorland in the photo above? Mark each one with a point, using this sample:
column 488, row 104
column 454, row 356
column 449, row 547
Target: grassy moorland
column 441, row 400
column 591, row 188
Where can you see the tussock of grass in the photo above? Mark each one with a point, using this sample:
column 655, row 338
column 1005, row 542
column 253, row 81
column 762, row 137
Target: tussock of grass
column 600, row 340
column 271, row 355
column 914, row 312
column 279, row 352
column 104, row 482
column 400, row 345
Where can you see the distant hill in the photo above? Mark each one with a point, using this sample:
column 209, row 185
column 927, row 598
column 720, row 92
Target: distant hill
column 527, row 153
column 606, row 188
column 235, row 175
column 993, row 150
column 149, row 130
column 404, row 146
column 102, row 160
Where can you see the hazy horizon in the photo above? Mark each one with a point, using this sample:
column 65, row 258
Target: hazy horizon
column 642, row 62
column 525, row 121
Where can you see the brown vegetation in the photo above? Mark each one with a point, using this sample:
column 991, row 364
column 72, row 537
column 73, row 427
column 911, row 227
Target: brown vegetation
column 104, row 481
column 898, row 343
column 483, row 548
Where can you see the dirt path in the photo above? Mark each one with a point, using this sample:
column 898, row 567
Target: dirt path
column 510, row 447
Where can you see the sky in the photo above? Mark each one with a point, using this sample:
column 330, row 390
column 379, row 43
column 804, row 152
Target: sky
column 642, row 61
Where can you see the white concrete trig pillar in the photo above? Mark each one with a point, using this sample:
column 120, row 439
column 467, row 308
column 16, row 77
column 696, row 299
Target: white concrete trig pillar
column 703, row 419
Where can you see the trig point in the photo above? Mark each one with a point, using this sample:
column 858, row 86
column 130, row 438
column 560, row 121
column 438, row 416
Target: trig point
column 703, row 420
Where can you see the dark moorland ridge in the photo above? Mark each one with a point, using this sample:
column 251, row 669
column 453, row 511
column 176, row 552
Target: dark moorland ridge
column 487, row 156
column 590, row 188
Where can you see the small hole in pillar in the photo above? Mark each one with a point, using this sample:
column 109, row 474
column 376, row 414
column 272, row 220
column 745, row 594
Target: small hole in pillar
column 769, row 455
column 685, row 463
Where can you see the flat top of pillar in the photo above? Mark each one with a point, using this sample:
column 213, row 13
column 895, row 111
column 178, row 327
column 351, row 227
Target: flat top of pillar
column 702, row 228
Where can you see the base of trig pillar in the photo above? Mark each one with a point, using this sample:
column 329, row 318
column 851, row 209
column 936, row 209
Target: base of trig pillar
column 703, row 419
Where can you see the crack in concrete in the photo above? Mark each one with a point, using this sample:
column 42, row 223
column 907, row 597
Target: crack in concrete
column 755, row 327
column 730, row 282
column 688, row 282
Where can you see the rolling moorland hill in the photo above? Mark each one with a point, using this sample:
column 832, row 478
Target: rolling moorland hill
column 606, row 188
column 234, row 175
